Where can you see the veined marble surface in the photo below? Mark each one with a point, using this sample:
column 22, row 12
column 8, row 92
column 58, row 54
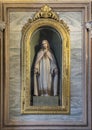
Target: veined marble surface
column 74, row 21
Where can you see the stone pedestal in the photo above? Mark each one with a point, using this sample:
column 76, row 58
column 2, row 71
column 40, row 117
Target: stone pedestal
column 45, row 101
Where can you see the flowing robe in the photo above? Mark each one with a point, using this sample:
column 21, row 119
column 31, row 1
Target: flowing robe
column 45, row 77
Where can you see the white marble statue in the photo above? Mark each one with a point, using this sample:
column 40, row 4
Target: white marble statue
column 45, row 72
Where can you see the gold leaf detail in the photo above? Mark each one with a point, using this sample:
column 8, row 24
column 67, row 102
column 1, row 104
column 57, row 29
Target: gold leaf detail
column 46, row 12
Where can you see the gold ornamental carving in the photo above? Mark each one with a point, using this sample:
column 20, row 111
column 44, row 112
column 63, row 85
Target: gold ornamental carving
column 45, row 17
column 48, row 13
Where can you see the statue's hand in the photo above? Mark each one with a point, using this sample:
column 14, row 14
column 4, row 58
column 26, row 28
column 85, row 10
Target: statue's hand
column 45, row 53
column 35, row 71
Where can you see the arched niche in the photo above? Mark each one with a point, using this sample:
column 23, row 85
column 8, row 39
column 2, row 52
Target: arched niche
column 55, row 41
column 45, row 25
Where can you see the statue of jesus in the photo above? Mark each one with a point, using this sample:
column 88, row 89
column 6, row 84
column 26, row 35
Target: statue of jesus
column 45, row 72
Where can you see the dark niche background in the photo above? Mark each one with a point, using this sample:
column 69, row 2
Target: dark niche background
column 55, row 42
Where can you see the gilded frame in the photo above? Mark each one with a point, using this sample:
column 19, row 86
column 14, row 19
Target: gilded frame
column 43, row 18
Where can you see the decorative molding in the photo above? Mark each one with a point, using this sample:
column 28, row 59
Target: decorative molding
column 47, row 13
column 89, row 27
column 7, row 123
column 44, row 1
column 2, row 25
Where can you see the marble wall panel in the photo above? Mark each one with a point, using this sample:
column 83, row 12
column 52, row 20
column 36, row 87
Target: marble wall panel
column 74, row 21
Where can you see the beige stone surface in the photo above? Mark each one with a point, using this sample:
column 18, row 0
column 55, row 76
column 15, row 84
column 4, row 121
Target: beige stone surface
column 45, row 1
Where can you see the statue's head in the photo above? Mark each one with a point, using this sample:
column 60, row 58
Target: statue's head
column 45, row 44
